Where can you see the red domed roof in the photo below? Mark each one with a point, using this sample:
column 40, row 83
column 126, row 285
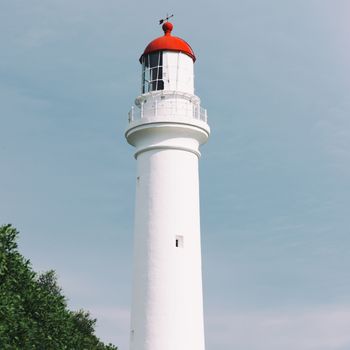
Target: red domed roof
column 167, row 42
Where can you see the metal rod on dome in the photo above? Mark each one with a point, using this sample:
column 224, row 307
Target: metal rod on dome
column 161, row 21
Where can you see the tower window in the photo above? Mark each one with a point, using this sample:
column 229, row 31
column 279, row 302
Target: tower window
column 152, row 72
column 179, row 241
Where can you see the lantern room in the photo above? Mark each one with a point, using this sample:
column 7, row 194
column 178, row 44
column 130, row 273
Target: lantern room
column 167, row 64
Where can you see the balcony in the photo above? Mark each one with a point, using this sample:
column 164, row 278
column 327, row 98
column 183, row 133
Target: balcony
column 155, row 109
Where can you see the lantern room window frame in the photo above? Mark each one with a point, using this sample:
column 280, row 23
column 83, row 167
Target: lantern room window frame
column 152, row 72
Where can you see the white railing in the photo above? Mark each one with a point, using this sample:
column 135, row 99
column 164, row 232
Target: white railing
column 192, row 112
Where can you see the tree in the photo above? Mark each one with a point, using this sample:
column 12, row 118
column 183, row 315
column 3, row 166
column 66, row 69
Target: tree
column 33, row 310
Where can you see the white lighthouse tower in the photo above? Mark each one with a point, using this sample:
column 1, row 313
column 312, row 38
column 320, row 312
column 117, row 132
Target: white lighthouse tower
column 167, row 126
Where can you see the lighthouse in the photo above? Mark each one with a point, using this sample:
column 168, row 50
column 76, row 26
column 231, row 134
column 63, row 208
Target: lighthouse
column 167, row 126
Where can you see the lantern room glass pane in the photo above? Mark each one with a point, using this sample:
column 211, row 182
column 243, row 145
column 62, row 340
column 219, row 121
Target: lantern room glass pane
column 152, row 72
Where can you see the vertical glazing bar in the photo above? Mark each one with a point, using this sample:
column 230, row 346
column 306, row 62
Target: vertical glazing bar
column 143, row 75
column 158, row 69
column 148, row 64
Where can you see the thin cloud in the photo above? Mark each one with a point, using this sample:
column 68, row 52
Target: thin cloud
column 113, row 324
column 320, row 328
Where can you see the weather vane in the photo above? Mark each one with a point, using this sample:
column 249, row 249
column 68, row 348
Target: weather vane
column 165, row 19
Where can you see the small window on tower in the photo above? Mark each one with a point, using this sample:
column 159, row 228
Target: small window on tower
column 152, row 72
column 179, row 241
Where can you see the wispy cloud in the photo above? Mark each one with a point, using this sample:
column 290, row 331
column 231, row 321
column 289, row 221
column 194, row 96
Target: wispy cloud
column 335, row 130
column 322, row 328
column 113, row 324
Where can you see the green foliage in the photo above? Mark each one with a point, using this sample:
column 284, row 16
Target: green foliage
column 33, row 311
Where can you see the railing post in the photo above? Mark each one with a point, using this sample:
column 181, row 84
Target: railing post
column 141, row 113
column 156, row 109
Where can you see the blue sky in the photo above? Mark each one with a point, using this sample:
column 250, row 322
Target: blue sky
column 275, row 189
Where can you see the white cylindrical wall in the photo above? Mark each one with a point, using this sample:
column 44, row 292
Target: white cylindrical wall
column 178, row 73
column 167, row 311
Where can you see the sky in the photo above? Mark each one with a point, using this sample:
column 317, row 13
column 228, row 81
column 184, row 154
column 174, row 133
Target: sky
column 275, row 175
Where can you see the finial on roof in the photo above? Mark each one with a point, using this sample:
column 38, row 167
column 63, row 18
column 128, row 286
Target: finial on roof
column 167, row 27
